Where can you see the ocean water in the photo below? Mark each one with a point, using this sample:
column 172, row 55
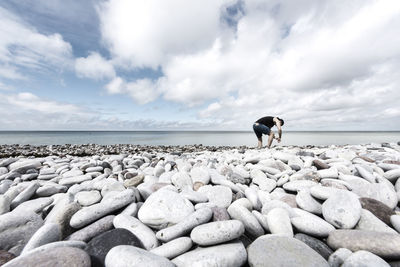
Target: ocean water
column 212, row 138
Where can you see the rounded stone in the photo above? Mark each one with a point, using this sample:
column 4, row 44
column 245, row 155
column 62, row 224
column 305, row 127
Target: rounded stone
column 379, row 209
column 276, row 250
column 370, row 222
column 136, row 227
column 343, row 210
column 92, row 230
column 198, row 217
column 164, row 207
column 250, row 222
column 226, row 255
column 220, row 214
column 48, row 233
column 16, row 228
column 364, row 259
column 337, row 258
column 279, row 222
column 124, row 256
column 395, row 220
column 306, row 202
column 173, row 248
column 218, row 194
column 311, row 224
column 385, row 245
column 315, row 244
column 87, row 198
column 60, row 257
column 100, row 245
column 217, row 232
column 92, row 213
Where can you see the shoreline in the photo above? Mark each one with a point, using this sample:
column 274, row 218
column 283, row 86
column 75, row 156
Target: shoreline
column 81, row 150
column 299, row 205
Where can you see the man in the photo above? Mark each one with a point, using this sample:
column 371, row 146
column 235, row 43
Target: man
column 264, row 125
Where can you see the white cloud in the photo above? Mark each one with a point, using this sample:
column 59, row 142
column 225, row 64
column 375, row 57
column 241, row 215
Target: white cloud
column 142, row 91
column 22, row 46
column 147, row 33
column 94, row 66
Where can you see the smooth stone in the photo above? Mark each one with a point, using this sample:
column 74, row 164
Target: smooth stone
column 296, row 185
column 135, row 181
column 250, row 222
column 378, row 191
column 289, row 199
column 139, row 229
column 198, row 217
column 75, row 180
column 263, row 182
column 315, row 244
column 370, row 222
column 5, row 257
column 48, row 233
column 276, row 250
column 49, row 190
column 5, row 204
column 365, row 174
column 72, row 173
column 217, row 232
column 337, row 258
column 320, row 165
column 111, row 187
column 90, row 214
column 87, row 198
column 364, row 259
column 306, row 202
column 16, row 228
column 323, row 192
column 197, row 185
column 392, row 175
column 5, row 185
column 267, row 207
column 21, row 166
column 395, row 220
column 100, row 245
column 182, row 180
column 226, row 255
column 220, row 214
column 173, row 248
column 311, row 224
column 35, row 205
column 194, row 196
column 92, row 230
column 262, row 220
column 342, row 210
column 129, row 256
column 385, row 245
column 200, row 174
column 164, row 207
column 379, row 209
column 252, row 196
column 62, row 213
column 25, row 195
column 60, row 257
column 328, row 173
column 218, row 194
column 279, row 222
column 131, row 209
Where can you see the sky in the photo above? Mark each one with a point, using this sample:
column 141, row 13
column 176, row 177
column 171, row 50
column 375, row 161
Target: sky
column 199, row 64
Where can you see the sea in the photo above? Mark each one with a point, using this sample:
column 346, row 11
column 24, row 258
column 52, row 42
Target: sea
column 209, row 138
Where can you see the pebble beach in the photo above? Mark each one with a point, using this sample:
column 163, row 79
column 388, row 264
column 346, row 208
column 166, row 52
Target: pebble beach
column 130, row 205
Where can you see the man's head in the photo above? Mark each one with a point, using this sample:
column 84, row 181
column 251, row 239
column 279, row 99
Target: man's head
column 282, row 121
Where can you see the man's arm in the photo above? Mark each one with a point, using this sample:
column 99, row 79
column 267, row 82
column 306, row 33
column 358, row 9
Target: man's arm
column 278, row 125
column 270, row 138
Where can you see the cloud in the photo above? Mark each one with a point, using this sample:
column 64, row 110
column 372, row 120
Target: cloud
column 94, row 67
column 147, row 33
column 27, row 111
column 142, row 91
column 22, row 46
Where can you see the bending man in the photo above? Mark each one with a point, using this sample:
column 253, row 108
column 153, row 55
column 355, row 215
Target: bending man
column 264, row 125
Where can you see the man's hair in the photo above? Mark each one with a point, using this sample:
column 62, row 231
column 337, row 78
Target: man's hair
column 282, row 121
